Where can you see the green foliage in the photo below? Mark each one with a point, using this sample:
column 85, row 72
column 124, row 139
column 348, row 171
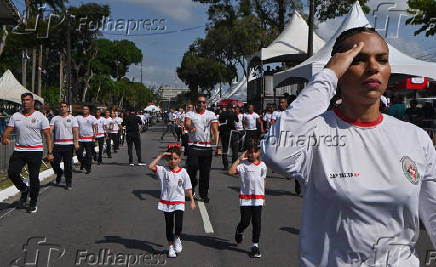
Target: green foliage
column 424, row 14
column 328, row 9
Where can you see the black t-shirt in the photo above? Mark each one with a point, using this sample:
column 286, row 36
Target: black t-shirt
column 228, row 118
column 132, row 123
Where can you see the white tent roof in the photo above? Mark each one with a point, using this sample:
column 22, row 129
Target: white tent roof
column 11, row 89
column 291, row 43
column 400, row 63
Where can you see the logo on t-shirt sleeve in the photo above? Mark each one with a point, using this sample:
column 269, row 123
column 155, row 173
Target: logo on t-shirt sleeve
column 410, row 170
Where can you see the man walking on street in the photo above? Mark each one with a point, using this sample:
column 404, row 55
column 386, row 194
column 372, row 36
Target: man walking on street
column 28, row 125
column 228, row 135
column 101, row 130
column 65, row 130
column 109, row 125
column 87, row 134
column 116, row 130
column 202, row 126
column 132, row 122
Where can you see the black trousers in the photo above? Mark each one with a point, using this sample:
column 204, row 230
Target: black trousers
column 199, row 159
column 63, row 153
column 250, row 134
column 100, row 142
column 185, row 138
column 116, row 139
column 33, row 159
column 86, row 160
column 174, row 224
column 230, row 141
column 108, row 145
column 134, row 138
column 170, row 127
column 178, row 133
column 253, row 214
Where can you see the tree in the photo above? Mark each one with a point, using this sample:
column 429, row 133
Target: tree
column 202, row 73
column 424, row 14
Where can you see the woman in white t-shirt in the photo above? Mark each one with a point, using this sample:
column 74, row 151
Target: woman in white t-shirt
column 368, row 177
column 174, row 182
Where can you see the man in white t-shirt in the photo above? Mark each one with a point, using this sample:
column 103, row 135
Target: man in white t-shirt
column 115, row 130
column 28, row 125
column 109, row 126
column 65, row 130
column 268, row 117
column 99, row 138
column 202, row 126
column 250, row 121
column 87, row 133
column 171, row 124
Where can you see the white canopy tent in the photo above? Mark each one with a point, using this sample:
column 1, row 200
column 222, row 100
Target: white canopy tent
column 400, row 62
column 11, row 89
column 152, row 108
column 290, row 45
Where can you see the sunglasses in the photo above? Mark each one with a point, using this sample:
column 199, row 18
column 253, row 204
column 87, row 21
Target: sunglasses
column 202, row 102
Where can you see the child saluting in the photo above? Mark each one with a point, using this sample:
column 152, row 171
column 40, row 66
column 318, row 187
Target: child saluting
column 252, row 195
column 174, row 181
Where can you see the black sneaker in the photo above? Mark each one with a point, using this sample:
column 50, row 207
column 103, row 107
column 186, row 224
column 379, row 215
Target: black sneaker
column 58, row 179
column 81, row 167
column 32, row 209
column 109, row 156
column 95, row 158
column 23, row 198
column 68, row 187
column 238, row 237
column 88, row 172
column 255, row 252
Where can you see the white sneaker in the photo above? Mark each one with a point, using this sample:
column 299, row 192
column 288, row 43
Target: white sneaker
column 142, row 164
column 131, row 164
column 178, row 245
column 171, row 252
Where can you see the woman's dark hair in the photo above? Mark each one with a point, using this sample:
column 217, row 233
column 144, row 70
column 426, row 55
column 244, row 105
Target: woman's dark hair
column 253, row 145
column 339, row 44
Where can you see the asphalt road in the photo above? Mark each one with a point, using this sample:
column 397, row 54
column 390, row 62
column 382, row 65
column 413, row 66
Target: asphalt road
column 110, row 218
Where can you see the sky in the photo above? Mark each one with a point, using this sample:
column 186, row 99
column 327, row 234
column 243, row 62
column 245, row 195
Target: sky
column 183, row 21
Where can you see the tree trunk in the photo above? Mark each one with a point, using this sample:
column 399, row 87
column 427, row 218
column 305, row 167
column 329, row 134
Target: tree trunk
column 3, row 41
column 40, row 70
column 61, row 70
column 33, row 69
column 24, row 69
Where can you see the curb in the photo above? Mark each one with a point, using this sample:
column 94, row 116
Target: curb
column 12, row 190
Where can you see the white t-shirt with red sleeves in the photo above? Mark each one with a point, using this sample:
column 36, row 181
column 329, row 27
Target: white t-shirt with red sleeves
column 101, row 123
column 28, row 130
column 108, row 123
column 202, row 123
column 173, row 186
column 238, row 125
column 86, row 128
column 63, row 129
column 117, row 122
column 252, row 175
column 251, row 119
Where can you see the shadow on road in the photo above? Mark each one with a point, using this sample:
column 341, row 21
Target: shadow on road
column 132, row 244
column 213, row 242
column 291, row 230
column 140, row 194
column 270, row 192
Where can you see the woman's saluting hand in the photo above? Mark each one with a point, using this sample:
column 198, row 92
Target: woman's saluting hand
column 340, row 62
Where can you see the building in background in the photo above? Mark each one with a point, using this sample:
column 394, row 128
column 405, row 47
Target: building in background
column 169, row 93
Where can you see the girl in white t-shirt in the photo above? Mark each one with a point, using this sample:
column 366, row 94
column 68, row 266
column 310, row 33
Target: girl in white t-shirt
column 174, row 182
column 252, row 194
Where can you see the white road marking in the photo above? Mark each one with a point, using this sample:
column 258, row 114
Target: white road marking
column 205, row 216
